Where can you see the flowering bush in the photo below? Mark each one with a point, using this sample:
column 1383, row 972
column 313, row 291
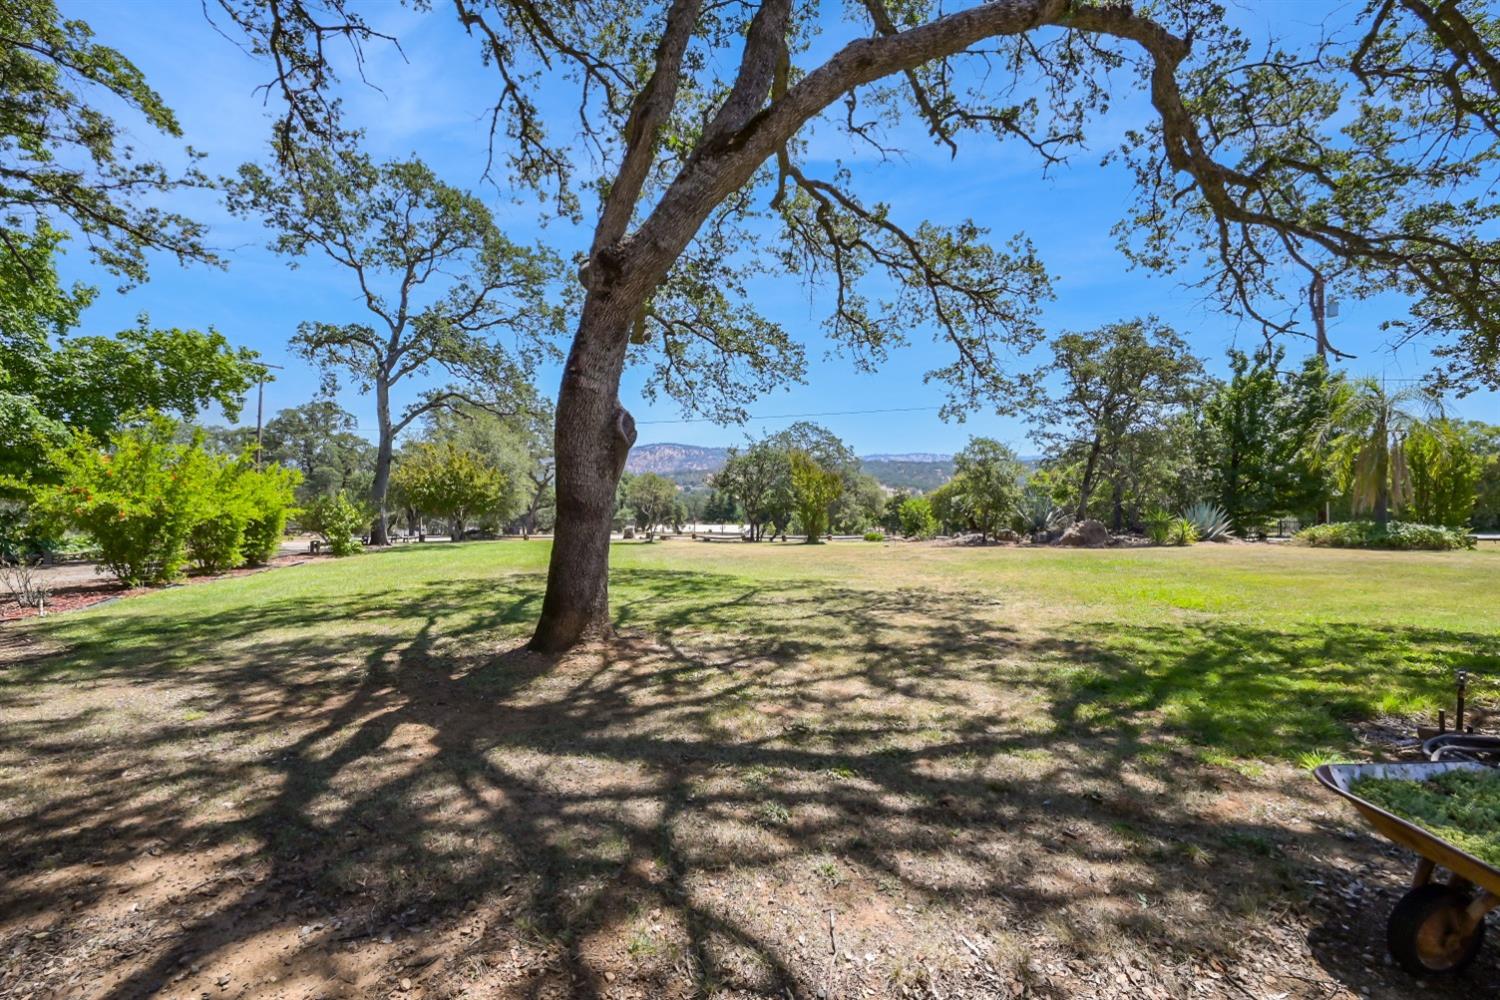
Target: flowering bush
column 151, row 502
column 139, row 500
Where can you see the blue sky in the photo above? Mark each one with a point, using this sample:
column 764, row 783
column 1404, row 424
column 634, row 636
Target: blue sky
column 434, row 104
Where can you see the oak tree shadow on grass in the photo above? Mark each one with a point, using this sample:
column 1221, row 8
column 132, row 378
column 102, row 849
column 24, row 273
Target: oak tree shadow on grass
column 1259, row 692
column 683, row 806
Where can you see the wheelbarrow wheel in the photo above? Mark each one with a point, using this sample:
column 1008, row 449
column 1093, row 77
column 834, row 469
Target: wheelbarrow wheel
column 1429, row 932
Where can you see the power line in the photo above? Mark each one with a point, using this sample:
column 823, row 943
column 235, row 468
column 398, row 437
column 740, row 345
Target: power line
column 798, row 416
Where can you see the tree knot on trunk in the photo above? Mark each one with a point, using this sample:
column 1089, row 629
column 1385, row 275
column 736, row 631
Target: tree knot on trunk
column 624, row 438
column 602, row 268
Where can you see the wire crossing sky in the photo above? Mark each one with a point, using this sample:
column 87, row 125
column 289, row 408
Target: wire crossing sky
column 434, row 101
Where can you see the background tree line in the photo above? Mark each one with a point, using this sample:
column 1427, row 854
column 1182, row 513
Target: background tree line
column 1132, row 427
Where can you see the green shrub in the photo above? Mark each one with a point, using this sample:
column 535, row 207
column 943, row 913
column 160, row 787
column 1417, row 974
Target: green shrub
column 917, row 518
column 1182, row 532
column 23, row 538
column 338, row 520
column 874, row 536
column 1159, row 527
column 216, row 542
column 139, row 500
column 1395, row 535
column 269, row 496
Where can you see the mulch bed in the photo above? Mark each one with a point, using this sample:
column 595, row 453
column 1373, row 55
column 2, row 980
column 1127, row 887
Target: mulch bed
column 85, row 595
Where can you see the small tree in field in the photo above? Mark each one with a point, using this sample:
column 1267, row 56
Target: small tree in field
column 1121, row 380
column 759, row 481
column 816, row 490
column 991, row 478
column 338, row 520
column 405, row 236
column 448, row 482
column 654, row 500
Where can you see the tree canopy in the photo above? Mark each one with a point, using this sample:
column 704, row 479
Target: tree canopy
column 319, row 439
column 94, row 384
column 66, row 165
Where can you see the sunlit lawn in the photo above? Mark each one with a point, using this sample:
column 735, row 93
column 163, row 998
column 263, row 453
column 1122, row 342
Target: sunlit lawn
column 1059, row 756
column 1249, row 649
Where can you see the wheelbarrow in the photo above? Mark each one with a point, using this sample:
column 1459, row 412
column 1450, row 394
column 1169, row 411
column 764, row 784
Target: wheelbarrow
column 1438, row 926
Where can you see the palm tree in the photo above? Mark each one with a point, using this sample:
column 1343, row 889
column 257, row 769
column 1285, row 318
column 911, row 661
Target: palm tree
column 1378, row 421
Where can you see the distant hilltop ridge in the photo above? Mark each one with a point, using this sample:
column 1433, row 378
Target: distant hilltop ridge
column 691, row 465
column 666, row 459
column 909, row 456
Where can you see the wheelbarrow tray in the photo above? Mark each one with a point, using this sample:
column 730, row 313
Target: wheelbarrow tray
column 1338, row 777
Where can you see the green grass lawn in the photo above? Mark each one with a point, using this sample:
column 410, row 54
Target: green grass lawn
column 997, row 767
column 1245, row 650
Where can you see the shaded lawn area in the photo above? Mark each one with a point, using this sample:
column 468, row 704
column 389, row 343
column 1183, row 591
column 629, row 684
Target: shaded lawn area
column 895, row 770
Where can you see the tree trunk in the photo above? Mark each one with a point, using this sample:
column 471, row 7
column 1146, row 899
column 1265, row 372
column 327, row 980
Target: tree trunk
column 593, row 437
column 1383, row 490
column 1382, row 472
column 382, row 481
column 1086, row 487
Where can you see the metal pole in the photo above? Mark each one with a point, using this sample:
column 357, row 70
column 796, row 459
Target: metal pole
column 260, row 405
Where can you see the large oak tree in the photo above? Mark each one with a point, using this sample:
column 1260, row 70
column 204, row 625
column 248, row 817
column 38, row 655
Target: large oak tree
column 1364, row 156
column 445, row 294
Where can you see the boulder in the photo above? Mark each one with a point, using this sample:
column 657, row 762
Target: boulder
column 1086, row 534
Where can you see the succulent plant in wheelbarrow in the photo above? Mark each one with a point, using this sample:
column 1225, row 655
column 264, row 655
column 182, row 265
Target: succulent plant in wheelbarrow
column 1438, row 927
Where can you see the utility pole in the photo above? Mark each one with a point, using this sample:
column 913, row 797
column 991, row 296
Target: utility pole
column 260, row 407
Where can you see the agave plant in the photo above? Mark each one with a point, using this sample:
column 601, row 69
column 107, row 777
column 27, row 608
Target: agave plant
column 1208, row 520
column 1037, row 514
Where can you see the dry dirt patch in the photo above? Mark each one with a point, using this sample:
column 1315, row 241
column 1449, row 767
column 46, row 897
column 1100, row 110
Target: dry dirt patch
column 878, row 805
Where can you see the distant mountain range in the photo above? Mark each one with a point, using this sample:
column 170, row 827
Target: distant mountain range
column 669, row 459
column 691, row 465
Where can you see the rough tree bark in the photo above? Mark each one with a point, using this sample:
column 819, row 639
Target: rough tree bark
column 381, row 485
column 594, row 435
